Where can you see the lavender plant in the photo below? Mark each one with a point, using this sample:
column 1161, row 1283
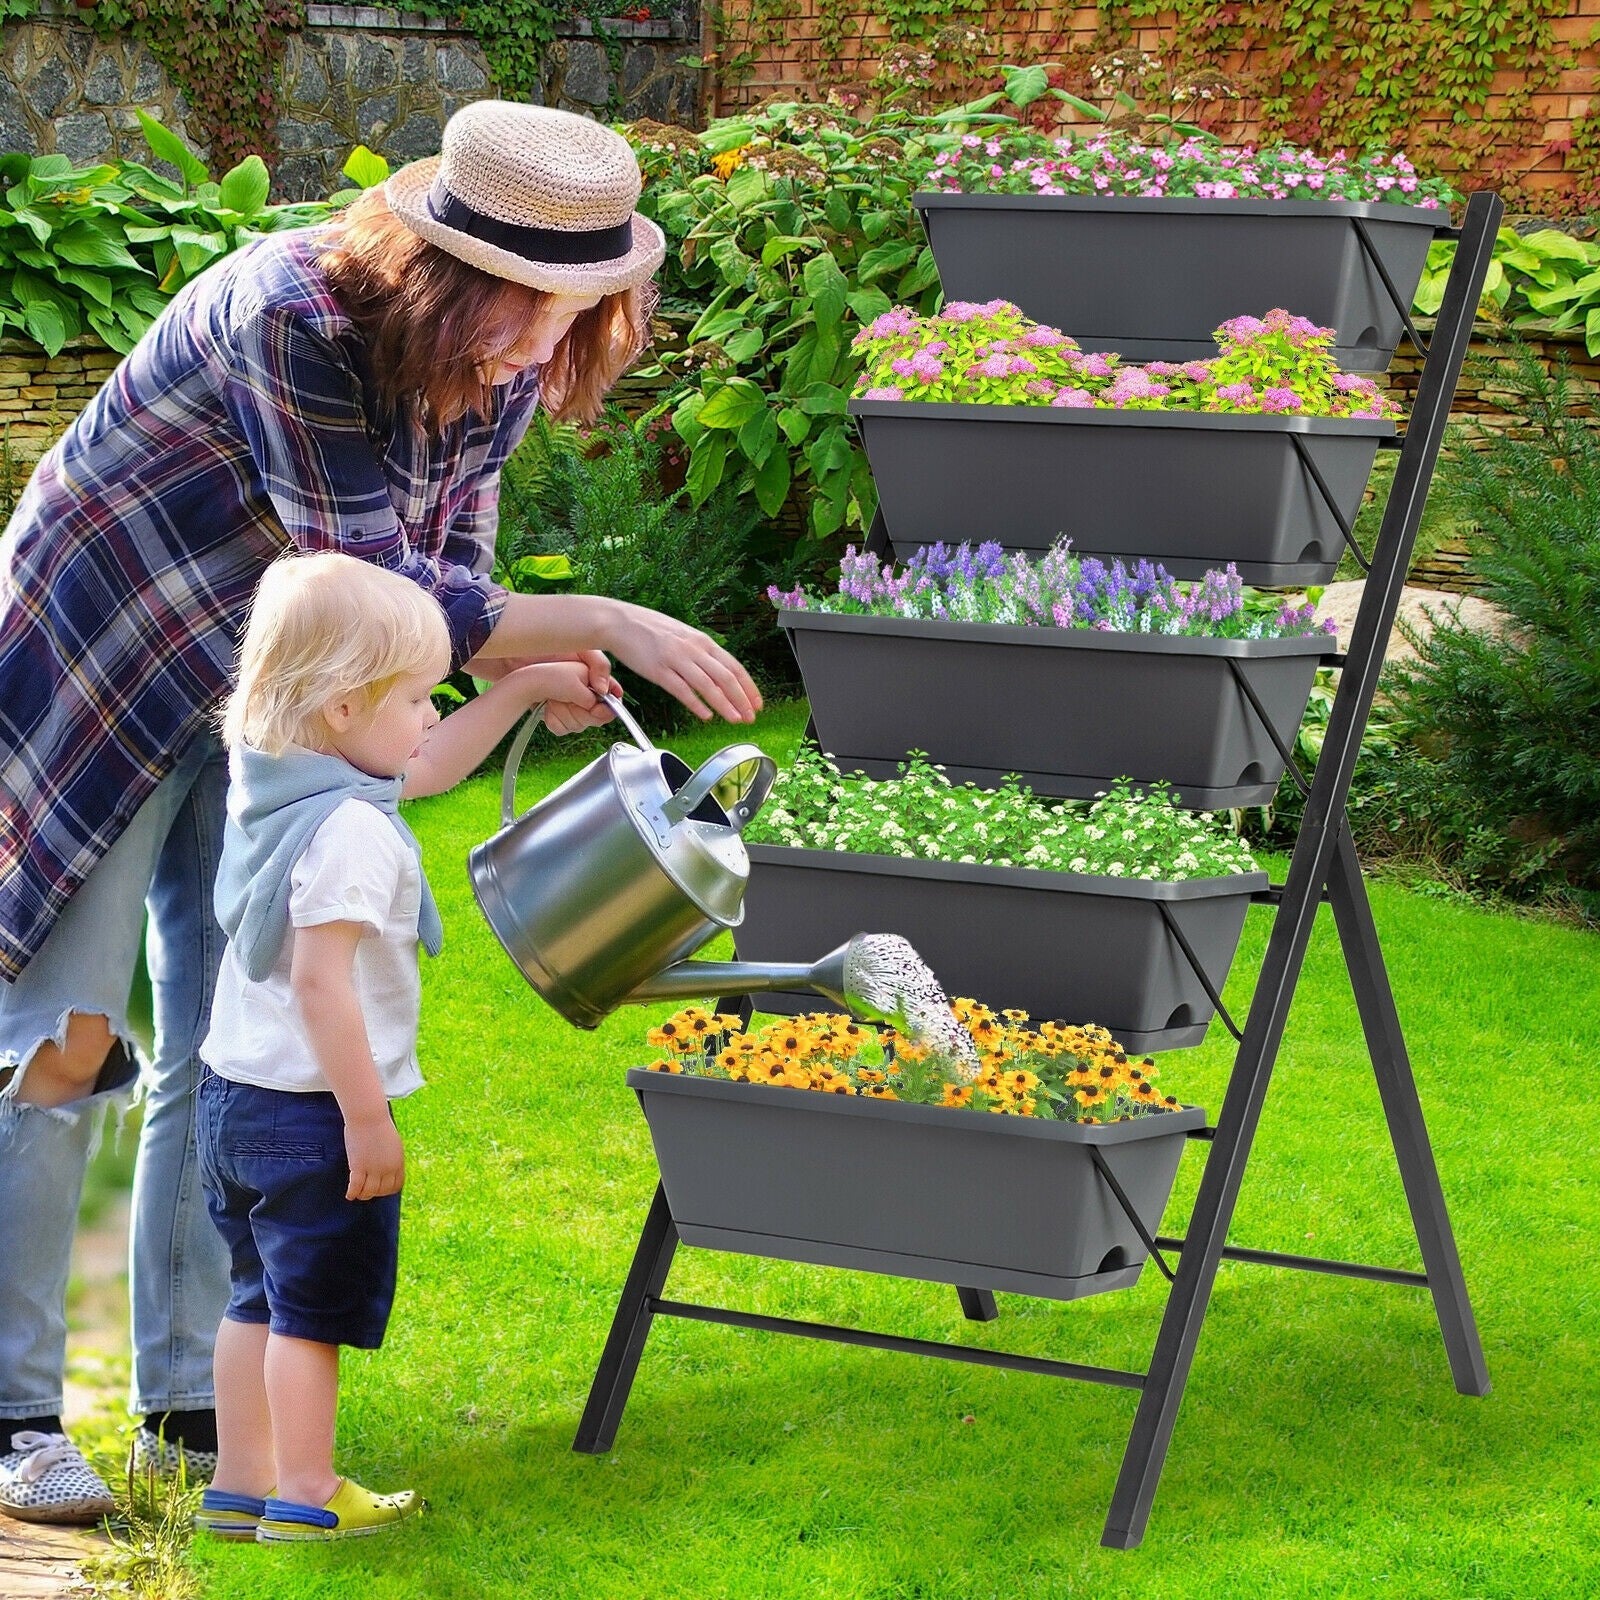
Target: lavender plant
column 1112, row 164
column 1059, row 589
column 991, row 354
column 921, row 815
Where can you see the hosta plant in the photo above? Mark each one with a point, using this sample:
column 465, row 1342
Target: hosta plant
column 1052, row 1070
column 991, row 354
column 1058, row 589
column 921, row 815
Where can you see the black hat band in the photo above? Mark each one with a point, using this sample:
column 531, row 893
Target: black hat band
column 547, row 246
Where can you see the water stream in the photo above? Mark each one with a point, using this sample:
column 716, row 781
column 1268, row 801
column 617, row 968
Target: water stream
column 899, row 987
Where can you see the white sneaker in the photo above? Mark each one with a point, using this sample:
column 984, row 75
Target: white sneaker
column 161, row 1457
column 45, row 1479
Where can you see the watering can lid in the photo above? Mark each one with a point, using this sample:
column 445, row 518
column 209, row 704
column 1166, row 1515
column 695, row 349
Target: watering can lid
column 706, row 859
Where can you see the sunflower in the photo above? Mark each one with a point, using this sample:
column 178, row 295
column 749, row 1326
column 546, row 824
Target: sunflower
column 666, row 1066
column 728, row 162
column 957, row 1095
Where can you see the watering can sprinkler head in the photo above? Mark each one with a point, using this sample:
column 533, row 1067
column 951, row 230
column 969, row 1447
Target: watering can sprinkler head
column 845, row 976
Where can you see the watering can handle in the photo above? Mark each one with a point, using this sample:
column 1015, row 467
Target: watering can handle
column 508, row 784
column 713, row 772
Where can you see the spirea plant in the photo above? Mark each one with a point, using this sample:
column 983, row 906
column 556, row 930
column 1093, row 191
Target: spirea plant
column 921, row 815
column 1059, row 589
column 989, row 353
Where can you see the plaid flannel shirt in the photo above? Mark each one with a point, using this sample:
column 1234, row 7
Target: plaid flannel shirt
column 241, row 425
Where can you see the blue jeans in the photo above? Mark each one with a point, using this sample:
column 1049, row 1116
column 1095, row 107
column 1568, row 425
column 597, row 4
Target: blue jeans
column 165, row 862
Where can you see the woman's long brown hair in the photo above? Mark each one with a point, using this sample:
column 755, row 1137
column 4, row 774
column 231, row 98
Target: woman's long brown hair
column 436, row 327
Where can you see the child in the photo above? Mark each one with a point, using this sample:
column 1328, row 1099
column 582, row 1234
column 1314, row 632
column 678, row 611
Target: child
column 313, row 1033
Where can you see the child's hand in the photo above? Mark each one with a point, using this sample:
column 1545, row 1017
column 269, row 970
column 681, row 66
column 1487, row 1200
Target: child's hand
column 376, row 1156
column 570, row 690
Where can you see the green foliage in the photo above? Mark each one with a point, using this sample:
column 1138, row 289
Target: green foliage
column 591, row 513
column 1544, row 281
column 1510, row 723
column 785, row 225
column 102, row 249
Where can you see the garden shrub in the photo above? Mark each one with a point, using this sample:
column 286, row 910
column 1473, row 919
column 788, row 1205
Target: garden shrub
column 786, row 227
column 593, row 512
column 1510, row 725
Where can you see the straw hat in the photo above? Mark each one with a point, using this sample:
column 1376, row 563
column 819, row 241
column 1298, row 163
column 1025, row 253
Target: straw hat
column 541, row 197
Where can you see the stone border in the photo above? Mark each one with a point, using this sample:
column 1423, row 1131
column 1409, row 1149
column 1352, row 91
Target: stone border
column 374, row 17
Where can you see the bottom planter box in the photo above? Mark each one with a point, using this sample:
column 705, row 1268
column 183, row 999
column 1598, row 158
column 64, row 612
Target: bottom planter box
column 915, row 1191
column 1054, row 944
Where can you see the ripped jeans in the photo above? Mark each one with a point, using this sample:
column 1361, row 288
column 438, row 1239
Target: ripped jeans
column 164, row 862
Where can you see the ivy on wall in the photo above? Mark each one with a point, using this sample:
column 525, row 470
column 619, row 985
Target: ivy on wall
column 1417, row 75
column 223, row 54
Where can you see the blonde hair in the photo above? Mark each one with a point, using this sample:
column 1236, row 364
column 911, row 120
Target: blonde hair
column 322, row 626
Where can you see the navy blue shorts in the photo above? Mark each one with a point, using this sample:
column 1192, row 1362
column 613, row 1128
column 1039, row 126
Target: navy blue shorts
column 305, row 1261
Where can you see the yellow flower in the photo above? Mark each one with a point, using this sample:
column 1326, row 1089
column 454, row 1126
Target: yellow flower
column 728, row 162
column 957, row 1095
column 666, row 1066
column 881, row 1091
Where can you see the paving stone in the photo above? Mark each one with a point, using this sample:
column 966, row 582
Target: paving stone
column 374, row 117
column 588, row 77
column 47, row 90
column 104, row 86
column 85, row 137
column 375, row 67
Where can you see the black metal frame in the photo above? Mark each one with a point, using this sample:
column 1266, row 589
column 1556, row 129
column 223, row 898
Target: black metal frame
column 1323, row 867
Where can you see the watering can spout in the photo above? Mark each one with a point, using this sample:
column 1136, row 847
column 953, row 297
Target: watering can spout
column 830, row 977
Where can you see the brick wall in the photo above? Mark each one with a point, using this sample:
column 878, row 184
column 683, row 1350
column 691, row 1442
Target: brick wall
column 1534, row 170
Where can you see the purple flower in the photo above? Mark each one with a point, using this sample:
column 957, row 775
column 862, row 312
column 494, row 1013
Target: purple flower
column 1077, row 399
column 884, row 392
column 1281, row 400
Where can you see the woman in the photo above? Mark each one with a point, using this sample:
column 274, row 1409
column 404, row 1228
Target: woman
column 355, row 387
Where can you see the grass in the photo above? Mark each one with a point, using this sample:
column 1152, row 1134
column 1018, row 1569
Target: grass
column 1320, row 1452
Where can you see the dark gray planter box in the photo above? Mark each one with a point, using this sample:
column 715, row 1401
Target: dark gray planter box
column 1152, row 279
column 1057, row 945
column 1186, row 488
column 948, row 1196
column 1066, row 709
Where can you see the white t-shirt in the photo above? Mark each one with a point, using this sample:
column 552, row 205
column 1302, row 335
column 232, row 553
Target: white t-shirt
column 356, row 868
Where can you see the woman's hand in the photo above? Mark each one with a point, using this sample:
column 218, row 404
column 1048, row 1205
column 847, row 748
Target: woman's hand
column 687, row 663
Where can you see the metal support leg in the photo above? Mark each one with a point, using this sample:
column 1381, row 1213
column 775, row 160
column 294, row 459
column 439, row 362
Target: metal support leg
column 1390, row 1061
column 613, row 1378
column 977, row 1305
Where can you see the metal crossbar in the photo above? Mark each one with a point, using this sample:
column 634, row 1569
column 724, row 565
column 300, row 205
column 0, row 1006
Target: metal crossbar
column 1324, row 867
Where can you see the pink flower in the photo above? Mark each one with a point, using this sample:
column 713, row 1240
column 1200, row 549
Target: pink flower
column 887, row 392
column 1076, row 399
column 1281, row 400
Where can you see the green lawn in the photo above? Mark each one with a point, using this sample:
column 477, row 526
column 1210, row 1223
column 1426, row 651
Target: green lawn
column 1321, row 1450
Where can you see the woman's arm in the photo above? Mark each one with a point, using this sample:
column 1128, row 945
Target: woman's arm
column 685, row 662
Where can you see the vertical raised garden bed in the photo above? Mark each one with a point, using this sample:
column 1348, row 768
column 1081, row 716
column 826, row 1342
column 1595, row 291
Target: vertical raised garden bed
column 1151, row 278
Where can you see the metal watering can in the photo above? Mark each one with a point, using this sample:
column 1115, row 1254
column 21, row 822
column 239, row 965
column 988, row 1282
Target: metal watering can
column 600, row 890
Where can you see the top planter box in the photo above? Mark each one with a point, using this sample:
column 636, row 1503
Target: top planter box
column 1151, row 279
column 1190, row 489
